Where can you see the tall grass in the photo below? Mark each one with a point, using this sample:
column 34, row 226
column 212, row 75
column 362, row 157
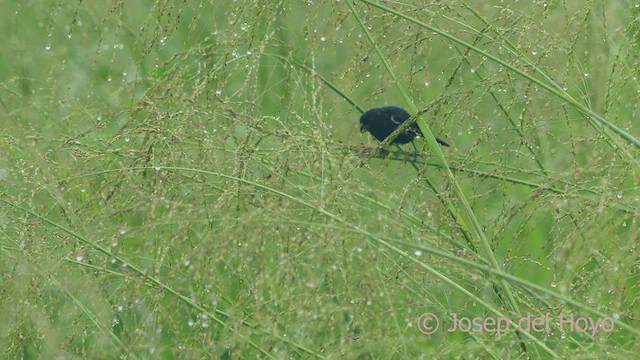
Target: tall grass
column 187, row 180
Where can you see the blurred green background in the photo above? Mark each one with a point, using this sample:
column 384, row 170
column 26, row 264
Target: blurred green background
column 188, row 180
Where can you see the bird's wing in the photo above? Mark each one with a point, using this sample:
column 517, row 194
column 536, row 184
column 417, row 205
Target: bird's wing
column 395, row 121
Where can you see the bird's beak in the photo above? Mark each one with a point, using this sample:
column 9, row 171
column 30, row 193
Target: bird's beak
column 363, row 128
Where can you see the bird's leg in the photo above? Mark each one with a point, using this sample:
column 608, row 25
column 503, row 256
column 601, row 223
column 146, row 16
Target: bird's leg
column 415, row 151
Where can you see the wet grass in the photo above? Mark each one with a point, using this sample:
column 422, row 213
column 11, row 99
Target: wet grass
column 188, row 180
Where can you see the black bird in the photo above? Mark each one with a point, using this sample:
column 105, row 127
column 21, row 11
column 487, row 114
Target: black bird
column 382, row 121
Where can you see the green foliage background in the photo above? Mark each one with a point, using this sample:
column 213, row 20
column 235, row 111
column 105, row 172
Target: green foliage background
column 187, row 179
